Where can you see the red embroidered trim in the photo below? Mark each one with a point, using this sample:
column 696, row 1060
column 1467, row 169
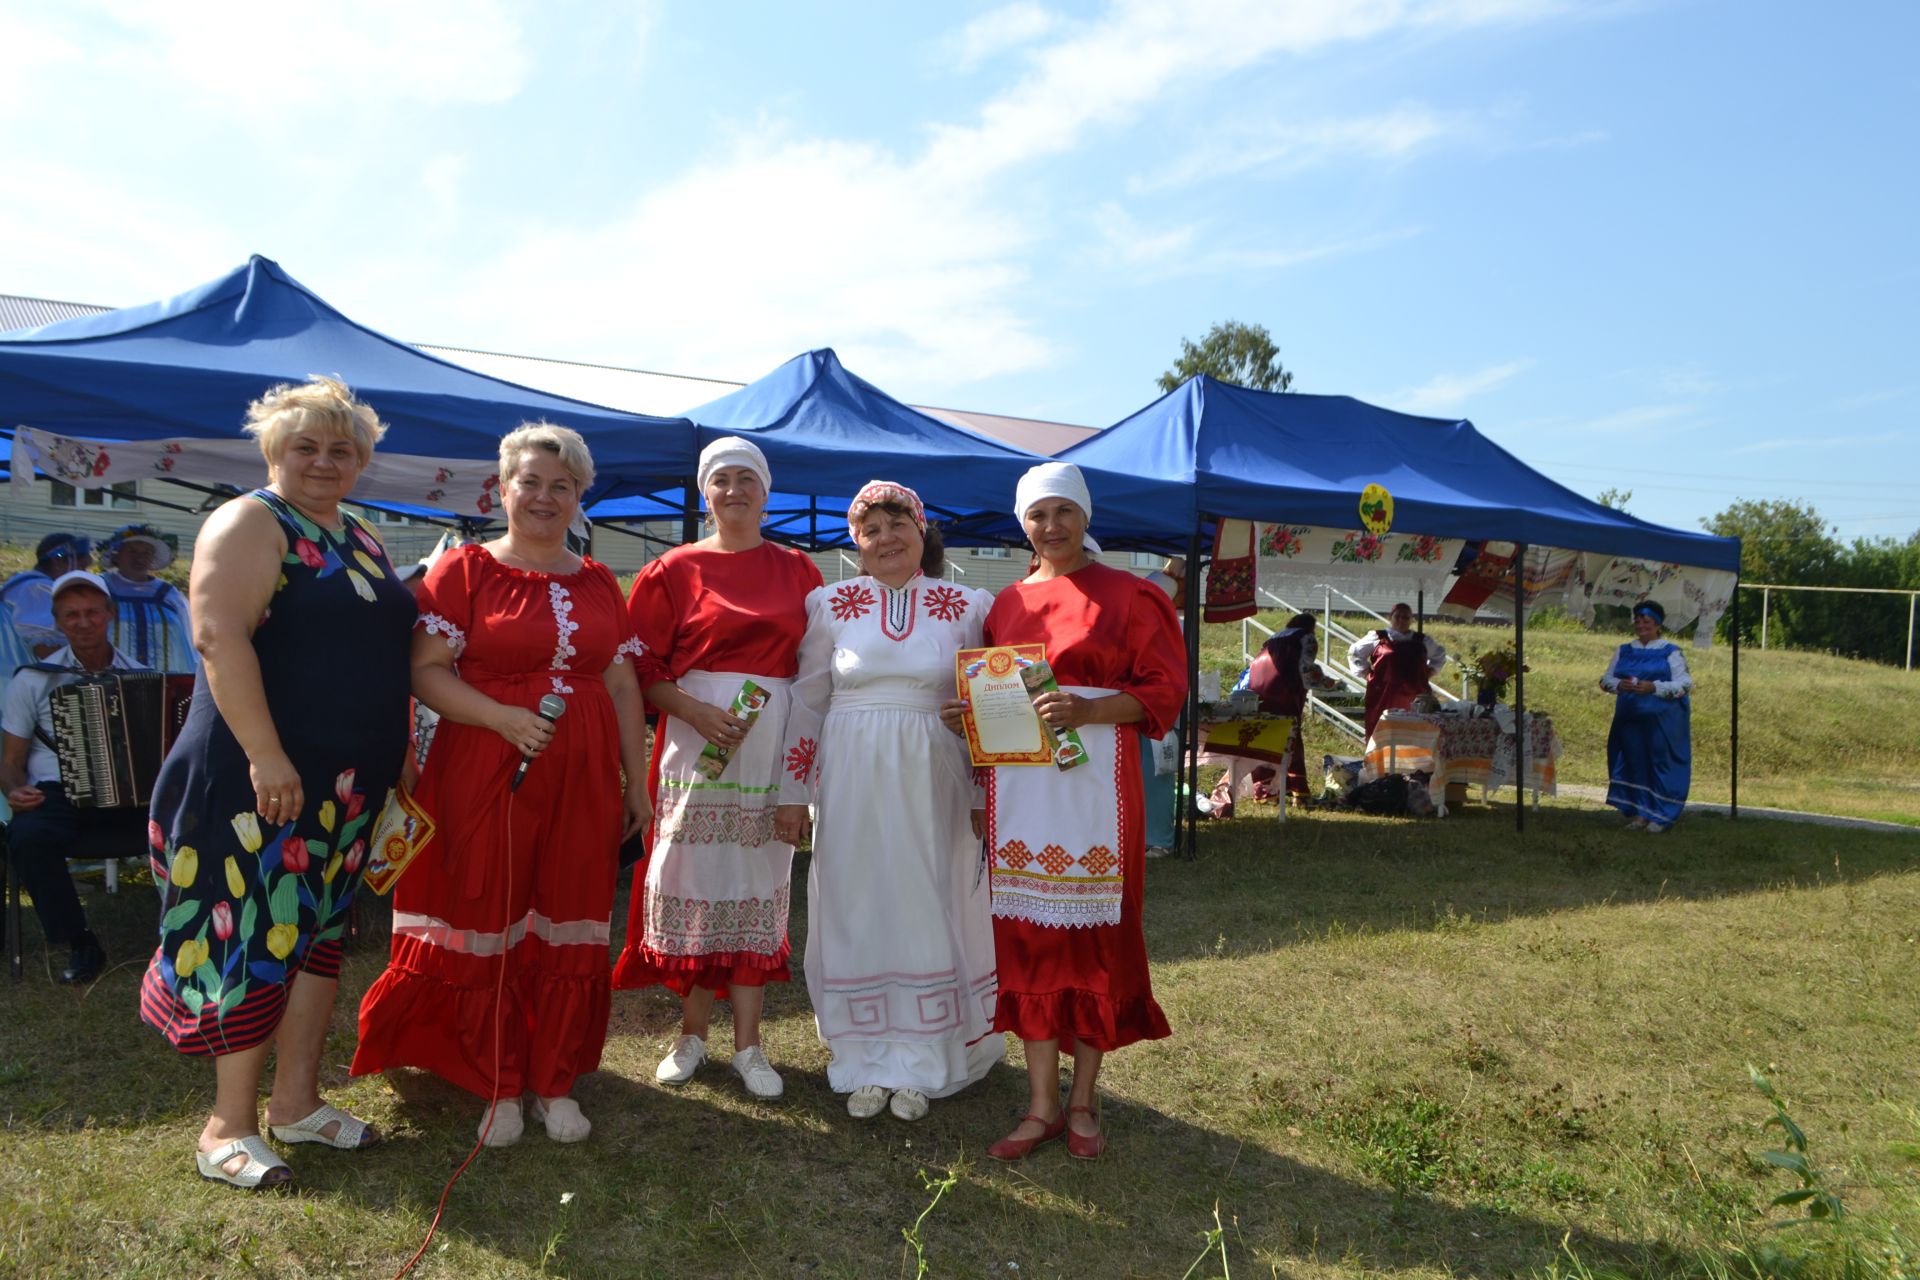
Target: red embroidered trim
column 852, row 600
column 945, row 603
column 800, row 760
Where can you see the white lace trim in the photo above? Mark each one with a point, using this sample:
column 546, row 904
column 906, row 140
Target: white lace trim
column 438, row 626
column 562, row 603
column 631, row 645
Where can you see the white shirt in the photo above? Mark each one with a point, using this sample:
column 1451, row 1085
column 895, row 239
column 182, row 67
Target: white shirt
column 1678, row 682
column 1360, row 653
column 26, row 706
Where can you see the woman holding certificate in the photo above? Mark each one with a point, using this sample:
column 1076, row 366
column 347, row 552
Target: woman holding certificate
column 899, row 941
column 1066, row 841
column 721, row 621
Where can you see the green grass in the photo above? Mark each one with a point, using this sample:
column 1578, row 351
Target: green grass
column 1817, row 733
column 1400, row 1050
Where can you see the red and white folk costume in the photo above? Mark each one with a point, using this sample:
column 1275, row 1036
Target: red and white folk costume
column 1069, row 848
column 899, row 960
column 523, row 879
column 1398, row 666
column 712, row 911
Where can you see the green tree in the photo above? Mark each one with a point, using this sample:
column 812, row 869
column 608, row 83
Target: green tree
column 1615, row 498
column 1232, row 352
column 1785, row 543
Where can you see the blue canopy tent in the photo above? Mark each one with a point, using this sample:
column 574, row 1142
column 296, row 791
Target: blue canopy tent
column 826, row 431
column 1214, row 450
column 188, row 366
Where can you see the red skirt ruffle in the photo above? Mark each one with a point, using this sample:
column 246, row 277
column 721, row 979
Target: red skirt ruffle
column 641, row 966
column 1084, row 1017
column 437, row 1010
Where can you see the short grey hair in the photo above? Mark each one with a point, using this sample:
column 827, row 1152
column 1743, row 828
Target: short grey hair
column 321, row 404
column 563, row 443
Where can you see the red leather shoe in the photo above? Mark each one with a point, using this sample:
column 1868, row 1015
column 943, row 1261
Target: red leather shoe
column 1087, row 1148
column 1017, row 1148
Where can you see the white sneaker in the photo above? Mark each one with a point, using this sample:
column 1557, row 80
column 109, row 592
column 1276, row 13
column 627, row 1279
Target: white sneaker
column 866, row 1102
column 563, row 1119
column 762, row 1081
column 508, row 1124
column 1637, row 824
column 682, row 1060
column 1655, row 828
column 908, row 1104
column 1158, row 851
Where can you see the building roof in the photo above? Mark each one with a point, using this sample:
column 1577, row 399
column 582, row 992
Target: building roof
column 630, row 390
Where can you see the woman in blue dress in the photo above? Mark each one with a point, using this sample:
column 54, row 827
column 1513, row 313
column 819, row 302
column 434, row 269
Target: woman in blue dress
column 1650, row 750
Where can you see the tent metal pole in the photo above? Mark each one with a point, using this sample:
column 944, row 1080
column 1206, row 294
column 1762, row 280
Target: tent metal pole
column 690, row 514
column 1520, row 687
column 1189, row 809
column 1733, row 742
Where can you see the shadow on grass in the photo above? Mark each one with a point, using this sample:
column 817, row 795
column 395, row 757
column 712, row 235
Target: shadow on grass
column 1259, row 884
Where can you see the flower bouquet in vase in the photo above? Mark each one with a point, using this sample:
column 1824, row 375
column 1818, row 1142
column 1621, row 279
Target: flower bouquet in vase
column 1492, row 670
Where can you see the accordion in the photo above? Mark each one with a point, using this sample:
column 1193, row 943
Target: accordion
column 111, row 730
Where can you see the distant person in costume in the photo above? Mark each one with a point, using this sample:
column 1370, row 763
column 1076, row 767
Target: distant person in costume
column 709, row 915
column 498, row 979
column 1398, row 664
column 46, row 823
column 1650, row 748
column 28, row 594
column 1067, row 847
column 260, row 817
column 1282, row 672
column 1159, row 771
column 899, row 939
column 151, row 619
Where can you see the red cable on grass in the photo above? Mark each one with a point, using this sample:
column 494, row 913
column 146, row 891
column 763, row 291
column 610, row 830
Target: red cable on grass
column 493, row 1104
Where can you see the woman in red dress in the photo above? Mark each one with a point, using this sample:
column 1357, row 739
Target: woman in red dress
column 1068, row 847
column 710, row 920
column 498, row 977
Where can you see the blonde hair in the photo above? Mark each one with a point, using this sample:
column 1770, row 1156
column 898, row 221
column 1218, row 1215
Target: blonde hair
column 322, row 404
column 563, row 443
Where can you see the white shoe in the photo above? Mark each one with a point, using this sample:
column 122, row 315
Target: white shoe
column 866, row 1102
column 1655, row 828
column 1638, row 824
column 564, row 1121
column 507, row 1123
column 762, row 1081
column 908, row 1104
column 682, row 1060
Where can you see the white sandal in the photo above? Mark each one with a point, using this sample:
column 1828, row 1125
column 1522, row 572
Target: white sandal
column 252, row 1176
column 352, row 1134
column 506, row 1125
column 563, row 1118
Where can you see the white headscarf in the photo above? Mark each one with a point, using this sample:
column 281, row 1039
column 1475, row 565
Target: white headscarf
column 732, row 451
column 1051, row 480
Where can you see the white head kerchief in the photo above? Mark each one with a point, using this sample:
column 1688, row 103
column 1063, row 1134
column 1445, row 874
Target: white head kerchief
column 732, row 451
column 1051, row 480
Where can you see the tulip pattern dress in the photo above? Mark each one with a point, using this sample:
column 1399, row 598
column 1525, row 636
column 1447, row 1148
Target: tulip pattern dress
column 249, row 904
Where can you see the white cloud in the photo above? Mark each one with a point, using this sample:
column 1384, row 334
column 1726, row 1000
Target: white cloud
column 1289, row 148
column 1125, row 243
column 999, row 30
column 442, row 177
column 268, row 59
column 710, row 275
column 1448, row 393
column 1638, row 418
column 1870, row 399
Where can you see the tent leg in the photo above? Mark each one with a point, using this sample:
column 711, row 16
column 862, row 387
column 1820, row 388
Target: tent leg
column 1733, row 740
column 690, row 514
column 1520, row 687
column 1188, row 809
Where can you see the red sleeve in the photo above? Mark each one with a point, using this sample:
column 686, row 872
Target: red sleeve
column 1159, row 668
column 446, row 601
column 655, row 618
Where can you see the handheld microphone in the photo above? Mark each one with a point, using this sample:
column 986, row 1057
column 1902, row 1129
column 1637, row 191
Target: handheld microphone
column 552, row 706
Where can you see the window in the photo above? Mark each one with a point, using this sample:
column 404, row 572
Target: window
column 993, row 553
column 124, row 496
column 1145, row 560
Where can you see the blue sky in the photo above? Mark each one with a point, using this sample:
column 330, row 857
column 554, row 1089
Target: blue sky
column 1659, row 245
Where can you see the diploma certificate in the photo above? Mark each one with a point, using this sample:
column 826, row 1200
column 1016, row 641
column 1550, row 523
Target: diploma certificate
column 1002, row 727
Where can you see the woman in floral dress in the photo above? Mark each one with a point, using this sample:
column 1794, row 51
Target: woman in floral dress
column 260, row 814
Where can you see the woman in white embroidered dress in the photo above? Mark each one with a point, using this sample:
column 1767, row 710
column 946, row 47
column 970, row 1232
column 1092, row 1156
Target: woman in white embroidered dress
column 899, row 936
column 498, row 980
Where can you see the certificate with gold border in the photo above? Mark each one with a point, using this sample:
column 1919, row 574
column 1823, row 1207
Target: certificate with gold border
column 1002, row 726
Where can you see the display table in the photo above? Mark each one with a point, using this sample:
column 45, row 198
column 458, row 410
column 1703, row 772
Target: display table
column 1245, row 740
column 1454, row 747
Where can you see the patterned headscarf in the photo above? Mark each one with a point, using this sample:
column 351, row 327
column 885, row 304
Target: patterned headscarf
column 881, row 492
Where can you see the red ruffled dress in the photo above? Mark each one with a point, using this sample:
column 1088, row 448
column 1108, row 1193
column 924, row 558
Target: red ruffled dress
column 711, row 908
column 1067, row 903
column 523, row 879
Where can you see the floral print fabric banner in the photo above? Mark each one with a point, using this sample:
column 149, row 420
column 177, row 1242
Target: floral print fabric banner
column 1281, row 555
column 463, row 487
